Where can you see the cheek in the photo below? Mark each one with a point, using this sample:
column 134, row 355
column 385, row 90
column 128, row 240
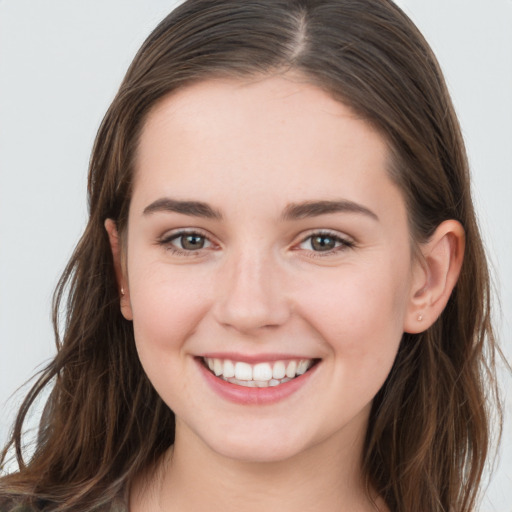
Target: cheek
column 360, row 313
column 167, row 304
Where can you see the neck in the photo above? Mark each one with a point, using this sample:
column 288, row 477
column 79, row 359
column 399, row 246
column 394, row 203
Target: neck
column 193, row 477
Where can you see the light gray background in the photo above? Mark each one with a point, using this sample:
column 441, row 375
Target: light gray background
column 61, row 62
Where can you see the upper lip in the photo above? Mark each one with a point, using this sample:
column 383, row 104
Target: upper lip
column 255, row 358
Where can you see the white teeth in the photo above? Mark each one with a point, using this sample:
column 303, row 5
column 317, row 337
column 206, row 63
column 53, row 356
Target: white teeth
column 259, row 375
column 229, row 369
column 279, row 370
column 217, row 367
column 302, row 367
column 262, row 371
column 243, row 371
column 256, row 383
column 291, row 369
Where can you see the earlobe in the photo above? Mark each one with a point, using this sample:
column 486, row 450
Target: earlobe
column 435, row 276
column 119, row 267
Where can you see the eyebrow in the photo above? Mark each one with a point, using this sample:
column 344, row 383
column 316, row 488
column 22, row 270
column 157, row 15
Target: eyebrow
column 293, row 211
column 316, row 208
column 192, row 208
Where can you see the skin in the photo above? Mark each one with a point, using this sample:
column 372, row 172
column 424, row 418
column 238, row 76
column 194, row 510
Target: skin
column 258, row 286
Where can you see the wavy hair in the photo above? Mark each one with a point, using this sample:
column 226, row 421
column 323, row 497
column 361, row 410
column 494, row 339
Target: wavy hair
column 428, row 434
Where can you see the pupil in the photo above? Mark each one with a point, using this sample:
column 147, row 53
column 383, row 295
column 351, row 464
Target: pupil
column 323, row 243
column 192, row 242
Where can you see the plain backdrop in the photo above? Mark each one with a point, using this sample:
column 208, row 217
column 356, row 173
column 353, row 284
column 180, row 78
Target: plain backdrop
column 61, row 62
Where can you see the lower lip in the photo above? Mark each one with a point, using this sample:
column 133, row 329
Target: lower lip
column 254, row 396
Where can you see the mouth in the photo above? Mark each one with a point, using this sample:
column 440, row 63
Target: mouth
column 259, row 375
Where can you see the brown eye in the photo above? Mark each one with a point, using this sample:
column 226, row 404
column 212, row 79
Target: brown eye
column 323, row 243
column 186, row 242
column 191, row 242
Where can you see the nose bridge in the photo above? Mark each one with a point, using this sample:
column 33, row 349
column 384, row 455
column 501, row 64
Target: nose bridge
column 251, row 291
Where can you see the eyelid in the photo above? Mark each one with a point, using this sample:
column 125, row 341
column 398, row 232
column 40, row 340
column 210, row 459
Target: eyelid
column 346, row 242
column 169, row 236
column 174, row 233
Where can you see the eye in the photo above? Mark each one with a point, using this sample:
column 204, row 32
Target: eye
column 190, row 241
column 186, row 242
column 325, row 242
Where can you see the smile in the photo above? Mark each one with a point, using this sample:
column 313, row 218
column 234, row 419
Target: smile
column 260, row 375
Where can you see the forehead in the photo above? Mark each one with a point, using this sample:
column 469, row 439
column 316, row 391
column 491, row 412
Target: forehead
column 279, row 136
column 276, row 104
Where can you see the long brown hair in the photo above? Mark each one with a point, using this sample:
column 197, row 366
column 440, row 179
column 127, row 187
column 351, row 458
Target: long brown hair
column 428, row 434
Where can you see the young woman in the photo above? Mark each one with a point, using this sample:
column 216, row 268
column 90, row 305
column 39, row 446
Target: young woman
column 281, row 300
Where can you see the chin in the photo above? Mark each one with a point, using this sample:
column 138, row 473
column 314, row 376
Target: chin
column 263, row 452
column 257, row 445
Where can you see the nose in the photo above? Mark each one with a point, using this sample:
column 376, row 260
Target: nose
column 251, row 293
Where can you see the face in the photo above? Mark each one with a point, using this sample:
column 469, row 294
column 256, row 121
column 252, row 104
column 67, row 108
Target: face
column 268, row 266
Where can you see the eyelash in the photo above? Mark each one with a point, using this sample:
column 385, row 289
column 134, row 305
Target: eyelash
column 343, row 243
column 166, row 242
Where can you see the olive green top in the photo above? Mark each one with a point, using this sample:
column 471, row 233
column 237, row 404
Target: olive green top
column 117, row 505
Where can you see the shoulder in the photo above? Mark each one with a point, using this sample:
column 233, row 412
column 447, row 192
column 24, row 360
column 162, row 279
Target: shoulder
column 116, row 506
column 32, row 504
column 13, row 505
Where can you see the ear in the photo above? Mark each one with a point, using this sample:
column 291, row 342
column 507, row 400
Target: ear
column 119, row 267
column 435, row 274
